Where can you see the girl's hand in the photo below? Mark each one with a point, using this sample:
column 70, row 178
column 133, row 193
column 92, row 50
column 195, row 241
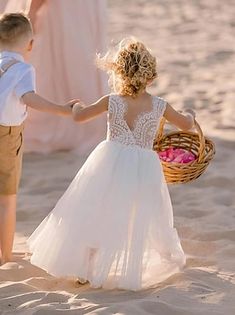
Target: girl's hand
column 83, row 112
column 190, row 111
column 191, row 114
column 67, row 108
column 80, row 104
column 78, row 107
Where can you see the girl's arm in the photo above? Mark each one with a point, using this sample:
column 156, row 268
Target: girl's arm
column 181, row 121
column 35, row 101
column 82, row 113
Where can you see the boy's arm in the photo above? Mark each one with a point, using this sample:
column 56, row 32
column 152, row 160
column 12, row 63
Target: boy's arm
column 35, row 101
column 184, row 122
column 82, row 113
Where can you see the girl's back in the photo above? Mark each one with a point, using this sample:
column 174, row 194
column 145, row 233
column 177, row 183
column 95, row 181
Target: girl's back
column 134, row 121
column 143, row 103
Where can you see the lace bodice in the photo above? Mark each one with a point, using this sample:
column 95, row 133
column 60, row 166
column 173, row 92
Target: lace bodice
column 145, row 125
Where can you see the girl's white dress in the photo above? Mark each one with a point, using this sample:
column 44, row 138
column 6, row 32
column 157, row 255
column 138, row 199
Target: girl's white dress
column 114, row 224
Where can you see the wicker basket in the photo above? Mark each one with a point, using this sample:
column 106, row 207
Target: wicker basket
column 195, row 142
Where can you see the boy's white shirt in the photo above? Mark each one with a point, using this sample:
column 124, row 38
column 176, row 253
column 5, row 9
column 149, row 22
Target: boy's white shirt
column 14, row 83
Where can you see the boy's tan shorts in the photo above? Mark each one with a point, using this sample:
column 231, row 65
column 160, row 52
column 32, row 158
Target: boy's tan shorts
column 11, row 153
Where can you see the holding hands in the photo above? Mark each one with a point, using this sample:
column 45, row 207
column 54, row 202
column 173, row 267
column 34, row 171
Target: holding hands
column 67, row 109
column 37, row 102
column 78, row 107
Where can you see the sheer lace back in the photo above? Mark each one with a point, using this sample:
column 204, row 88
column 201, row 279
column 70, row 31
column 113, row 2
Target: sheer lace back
column 144, row 127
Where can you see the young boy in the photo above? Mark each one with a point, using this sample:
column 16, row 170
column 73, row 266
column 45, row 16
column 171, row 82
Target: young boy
column 17, row 91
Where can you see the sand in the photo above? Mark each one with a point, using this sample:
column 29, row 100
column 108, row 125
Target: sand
column 194, row 44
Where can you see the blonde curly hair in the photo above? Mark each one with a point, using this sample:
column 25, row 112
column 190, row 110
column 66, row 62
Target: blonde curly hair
column 131, row 68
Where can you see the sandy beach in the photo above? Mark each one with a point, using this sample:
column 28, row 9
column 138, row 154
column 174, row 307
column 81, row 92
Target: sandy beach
column 194, row 45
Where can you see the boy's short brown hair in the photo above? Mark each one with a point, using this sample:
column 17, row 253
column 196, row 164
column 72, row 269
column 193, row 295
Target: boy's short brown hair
column 13, row 26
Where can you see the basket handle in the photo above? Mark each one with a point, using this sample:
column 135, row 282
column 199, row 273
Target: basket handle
column 200, row 135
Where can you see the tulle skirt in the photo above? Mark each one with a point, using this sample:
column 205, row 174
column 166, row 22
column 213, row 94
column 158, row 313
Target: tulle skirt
column 114, row 224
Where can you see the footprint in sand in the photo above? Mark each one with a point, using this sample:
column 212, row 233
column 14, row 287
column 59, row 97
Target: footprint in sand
column 193, row 213
column 216, row 236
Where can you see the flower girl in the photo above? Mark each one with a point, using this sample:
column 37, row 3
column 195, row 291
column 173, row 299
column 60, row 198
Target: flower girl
column 113, row 227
